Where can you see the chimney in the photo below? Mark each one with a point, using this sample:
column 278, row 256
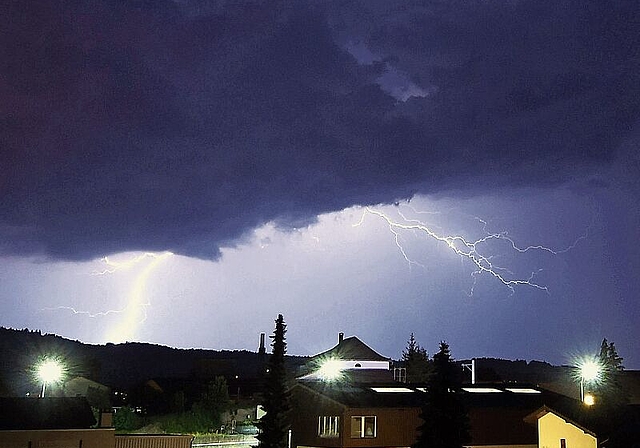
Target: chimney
column 340, row 337
column 262, row 350
column 106, row 419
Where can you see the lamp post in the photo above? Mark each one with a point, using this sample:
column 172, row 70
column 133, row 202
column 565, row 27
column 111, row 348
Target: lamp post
column 49, row 371
column 590, row 371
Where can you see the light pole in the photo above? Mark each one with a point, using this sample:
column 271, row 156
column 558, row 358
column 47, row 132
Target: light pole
column 590, row 371
column 49, row 371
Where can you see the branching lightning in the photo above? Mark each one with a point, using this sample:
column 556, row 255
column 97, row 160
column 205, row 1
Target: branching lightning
column 474, row 251
column 135, row 312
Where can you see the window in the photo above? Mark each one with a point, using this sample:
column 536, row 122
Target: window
column 563, row 443
column 400, row 374
column 363, row 427
column 328, row 426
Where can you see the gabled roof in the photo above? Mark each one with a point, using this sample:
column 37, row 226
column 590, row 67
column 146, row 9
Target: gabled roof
column 544, row 410
column 45, row 413
column 624, row 431
column 352, row 348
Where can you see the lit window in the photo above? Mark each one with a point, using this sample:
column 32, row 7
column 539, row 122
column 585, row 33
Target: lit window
column 363, row 427
column 328, row 426
column 400, row 374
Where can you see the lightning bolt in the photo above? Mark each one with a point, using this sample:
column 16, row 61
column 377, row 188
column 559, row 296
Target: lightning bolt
column 114, row 266
column 135, row 312
column 475, row 251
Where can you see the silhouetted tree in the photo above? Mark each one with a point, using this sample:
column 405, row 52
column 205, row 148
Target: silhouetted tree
column 416, row 361
column 445, row 420
column 610, row 394
column 609, row 357
column 274, row 425
column 214, row 400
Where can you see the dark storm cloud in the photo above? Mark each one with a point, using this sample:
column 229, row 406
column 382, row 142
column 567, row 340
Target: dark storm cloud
column 182, row 125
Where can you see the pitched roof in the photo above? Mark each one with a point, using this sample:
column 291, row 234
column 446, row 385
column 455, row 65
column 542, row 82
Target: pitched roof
column 544, row 410
column 624, row 428
column 45, row 413
column 352, row 348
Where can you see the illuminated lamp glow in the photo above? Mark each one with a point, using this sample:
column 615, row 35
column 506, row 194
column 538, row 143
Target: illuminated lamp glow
column 589, row 400
column 49, row 371
column 590, row 370
column 330, row 370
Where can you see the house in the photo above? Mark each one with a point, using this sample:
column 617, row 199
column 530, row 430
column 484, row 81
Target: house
column 557, row 431
column 339, row 414
column 357, row 404
column 577, row 426
column 96, row 394
column 350, row 358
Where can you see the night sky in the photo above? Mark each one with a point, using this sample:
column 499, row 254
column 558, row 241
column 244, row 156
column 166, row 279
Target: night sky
column 318, row 159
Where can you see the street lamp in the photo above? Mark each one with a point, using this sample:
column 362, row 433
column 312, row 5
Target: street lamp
column 331, row 369
column 590, row 371
column 49, row 371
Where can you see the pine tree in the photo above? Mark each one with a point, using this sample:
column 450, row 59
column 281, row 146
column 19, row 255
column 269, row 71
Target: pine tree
column 445, row 420
column 611, row 395
column 274, row 425
column 416, row 361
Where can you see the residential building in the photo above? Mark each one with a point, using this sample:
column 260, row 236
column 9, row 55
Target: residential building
column 356, row 403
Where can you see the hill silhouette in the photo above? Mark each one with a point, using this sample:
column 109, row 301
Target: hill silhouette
column 119, row 366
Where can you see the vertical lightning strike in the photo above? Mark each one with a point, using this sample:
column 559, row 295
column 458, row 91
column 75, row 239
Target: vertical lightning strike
column 470, row 250
column 135, row 312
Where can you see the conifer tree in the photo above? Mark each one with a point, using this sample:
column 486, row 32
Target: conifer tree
column 274, row 425
column 445, row 420
column 416, row 361
column 611, row 395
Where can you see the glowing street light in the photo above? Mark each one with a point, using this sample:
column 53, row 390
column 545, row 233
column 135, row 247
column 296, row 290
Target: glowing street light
column 589, row 399
column 590, row 371
column 49, row 371
column 330, row 370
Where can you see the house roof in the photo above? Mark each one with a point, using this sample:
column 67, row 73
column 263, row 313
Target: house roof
column 624, row 429
column 45, row 413
column 361, row 395
column 544, row 410
column 352, row 348
column 394, row 394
